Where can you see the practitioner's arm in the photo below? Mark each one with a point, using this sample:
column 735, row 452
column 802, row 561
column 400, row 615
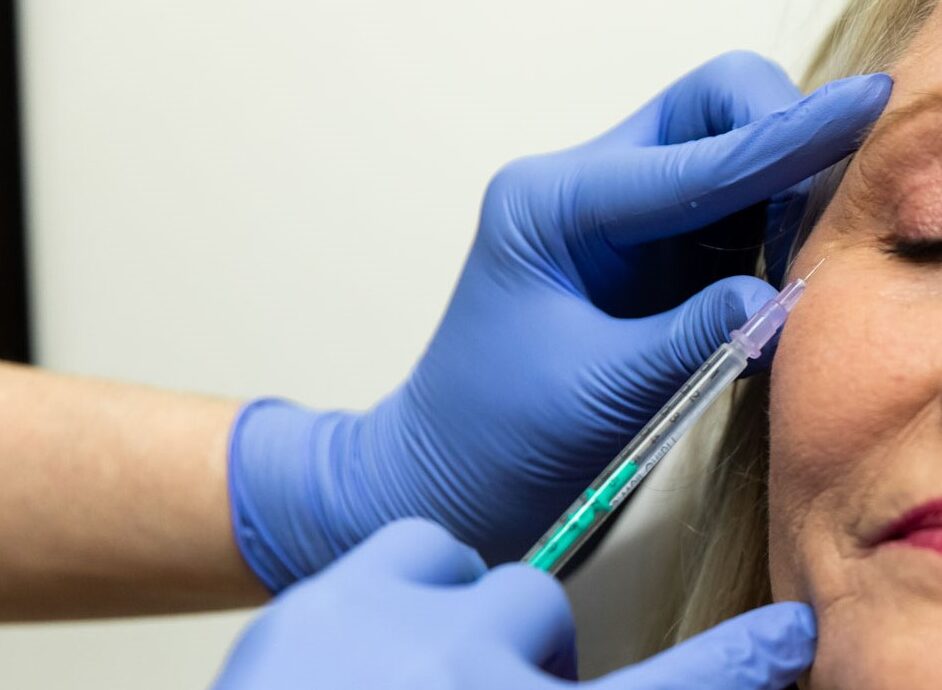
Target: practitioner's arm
column 113, row 500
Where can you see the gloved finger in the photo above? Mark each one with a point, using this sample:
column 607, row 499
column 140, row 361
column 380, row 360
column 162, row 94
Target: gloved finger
column 418, row 551
column 726, row 93
column 529, row 611
column 680, row 340
column 688, row 186
column 765, row 649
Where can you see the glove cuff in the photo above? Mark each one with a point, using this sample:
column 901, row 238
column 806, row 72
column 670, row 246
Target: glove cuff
column 282, row 486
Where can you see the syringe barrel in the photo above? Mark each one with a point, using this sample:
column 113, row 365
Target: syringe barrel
column 637, row 459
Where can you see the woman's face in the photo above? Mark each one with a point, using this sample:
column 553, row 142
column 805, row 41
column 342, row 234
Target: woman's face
column 856, row 409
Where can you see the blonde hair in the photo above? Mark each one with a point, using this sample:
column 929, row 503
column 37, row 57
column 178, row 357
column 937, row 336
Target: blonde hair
column 726, row 564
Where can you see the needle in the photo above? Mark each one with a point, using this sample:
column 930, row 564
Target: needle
column 816, row 267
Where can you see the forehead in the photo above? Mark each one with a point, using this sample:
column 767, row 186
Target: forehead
column 919, row 68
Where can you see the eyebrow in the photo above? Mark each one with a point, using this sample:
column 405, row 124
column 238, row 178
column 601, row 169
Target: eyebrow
column 928, row 102
column 889, row 125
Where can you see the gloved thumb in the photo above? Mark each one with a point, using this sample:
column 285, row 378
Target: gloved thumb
column 765, row 649
column 680, row 340
column 415, row 550
column 529, row 612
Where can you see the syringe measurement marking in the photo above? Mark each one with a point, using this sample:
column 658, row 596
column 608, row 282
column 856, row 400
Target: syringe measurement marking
column 642, row 472
column 576, row 524
column 597, row 503
column 588, row 514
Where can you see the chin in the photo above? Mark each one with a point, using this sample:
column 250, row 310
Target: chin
column 884, row 632
column 876, row 660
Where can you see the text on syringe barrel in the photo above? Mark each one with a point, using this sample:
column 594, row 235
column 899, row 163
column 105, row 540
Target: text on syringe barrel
column 637, row 459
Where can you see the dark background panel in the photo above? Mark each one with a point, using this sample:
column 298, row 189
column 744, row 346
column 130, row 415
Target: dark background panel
column 14, row 314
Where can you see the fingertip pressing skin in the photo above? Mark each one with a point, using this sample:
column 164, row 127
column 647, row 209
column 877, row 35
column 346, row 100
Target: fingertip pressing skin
column 769, row 647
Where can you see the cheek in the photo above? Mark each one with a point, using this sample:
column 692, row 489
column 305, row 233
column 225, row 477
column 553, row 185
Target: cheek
column 854, row 363
column 833, row 380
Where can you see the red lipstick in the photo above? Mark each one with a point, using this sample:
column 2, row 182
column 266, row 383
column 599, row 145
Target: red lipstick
column 920, row 527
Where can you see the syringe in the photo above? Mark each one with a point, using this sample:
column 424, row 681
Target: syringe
column 655, row 440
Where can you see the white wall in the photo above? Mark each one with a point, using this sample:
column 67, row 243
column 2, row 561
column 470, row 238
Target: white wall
column 275, row 197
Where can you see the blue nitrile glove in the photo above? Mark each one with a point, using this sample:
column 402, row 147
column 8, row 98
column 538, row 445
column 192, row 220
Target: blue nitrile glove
column 529, row 388
column 412, row 609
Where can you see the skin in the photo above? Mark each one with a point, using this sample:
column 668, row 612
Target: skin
column 856, row 405
column 132, row 514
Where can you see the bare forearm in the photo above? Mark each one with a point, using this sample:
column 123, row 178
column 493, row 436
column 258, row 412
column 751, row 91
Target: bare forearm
column 113, row 500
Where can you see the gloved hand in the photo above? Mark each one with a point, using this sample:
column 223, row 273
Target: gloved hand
column 411, row 608
column 533, row 381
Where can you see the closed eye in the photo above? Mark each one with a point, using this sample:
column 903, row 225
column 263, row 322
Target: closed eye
column 916, row 251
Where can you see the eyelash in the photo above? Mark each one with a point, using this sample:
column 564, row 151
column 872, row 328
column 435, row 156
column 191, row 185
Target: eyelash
column 916, row 251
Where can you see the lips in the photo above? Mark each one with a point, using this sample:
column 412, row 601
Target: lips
column 920, row 527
